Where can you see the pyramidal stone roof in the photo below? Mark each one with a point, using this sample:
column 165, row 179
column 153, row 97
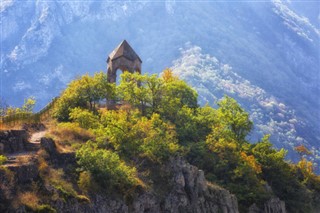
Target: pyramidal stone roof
column 125, row 50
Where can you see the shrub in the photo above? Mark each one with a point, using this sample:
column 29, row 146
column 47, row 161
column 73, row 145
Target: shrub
column 3, row 159
column 84, row 118
column 106, row 168
column 86, row 183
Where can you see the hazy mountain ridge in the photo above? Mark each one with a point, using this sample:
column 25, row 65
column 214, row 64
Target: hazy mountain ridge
column 274, row 52
column 212, row 79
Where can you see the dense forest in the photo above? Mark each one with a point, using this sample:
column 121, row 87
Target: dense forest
column 120, row 132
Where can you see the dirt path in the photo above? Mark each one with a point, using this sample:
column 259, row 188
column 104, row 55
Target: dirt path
column 35, row 137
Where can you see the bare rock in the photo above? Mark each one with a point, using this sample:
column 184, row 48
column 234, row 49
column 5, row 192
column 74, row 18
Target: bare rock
column 274, row 205
column 25, row 173
column 98, row 204
column 13, row 141
column 191, row 192
column 48, row 145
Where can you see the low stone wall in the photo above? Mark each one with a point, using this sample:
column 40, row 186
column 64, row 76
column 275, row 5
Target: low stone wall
column 12, row 141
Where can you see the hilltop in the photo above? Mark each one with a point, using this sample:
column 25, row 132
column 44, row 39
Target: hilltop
column 145, row 145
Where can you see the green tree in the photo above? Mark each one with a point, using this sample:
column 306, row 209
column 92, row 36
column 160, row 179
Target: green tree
column 133, row 135
column 176, row 94
column 158, row 140
column 157, row 95
column 281, row 176
column 84, row 92
column 28, row 105
column 133, row 89
column 234, row 119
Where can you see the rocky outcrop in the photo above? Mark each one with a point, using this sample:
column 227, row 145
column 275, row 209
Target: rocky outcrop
column 48, row 145
column 98, row 204
column 274, row 205
column 190, row 192
column 25, row 173
column 13, row 141
column 57, row 158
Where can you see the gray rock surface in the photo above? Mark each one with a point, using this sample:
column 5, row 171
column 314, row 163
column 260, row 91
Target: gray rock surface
column 48, row 145
column 190, row 192
column 13, row 141
column 274, row 205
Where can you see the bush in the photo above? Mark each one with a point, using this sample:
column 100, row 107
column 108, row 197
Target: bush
column 86, row 183
column 107, row 168
column 84, row 118
column 3, row 159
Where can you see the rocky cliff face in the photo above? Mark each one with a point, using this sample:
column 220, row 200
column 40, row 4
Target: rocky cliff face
column 190, row 192
column 274, row 205
column 12, row 141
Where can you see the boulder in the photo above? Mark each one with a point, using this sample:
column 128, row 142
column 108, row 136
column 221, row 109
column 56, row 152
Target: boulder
column 12, row 141
column 48, row 145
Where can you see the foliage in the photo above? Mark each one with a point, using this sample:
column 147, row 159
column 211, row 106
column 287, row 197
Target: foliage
column 132, row 135
column 85, row 118
column 86, row 182
column 107, row 168
column 28, row 105
column 26, row 108
column 234, row 119
column 3, row 159
column 159, row 119
column 156, row 95
column 84, row 92
column 281, row 176
column 70, row 134
column 159, row 139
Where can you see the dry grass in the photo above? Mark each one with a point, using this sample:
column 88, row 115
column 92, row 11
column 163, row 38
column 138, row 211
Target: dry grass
column 29, row 199
column 69, row 135
column 21, row 160
column 16, row 126
column 55, row 177
column 213, row 186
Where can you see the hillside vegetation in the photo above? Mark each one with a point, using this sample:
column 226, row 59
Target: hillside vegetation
column 155, row 119
column 160, row 118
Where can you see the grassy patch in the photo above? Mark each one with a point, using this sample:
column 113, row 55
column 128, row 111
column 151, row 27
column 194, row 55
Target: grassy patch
column 69, row 136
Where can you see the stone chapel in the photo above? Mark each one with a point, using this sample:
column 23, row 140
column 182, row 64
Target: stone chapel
column 124, row 58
